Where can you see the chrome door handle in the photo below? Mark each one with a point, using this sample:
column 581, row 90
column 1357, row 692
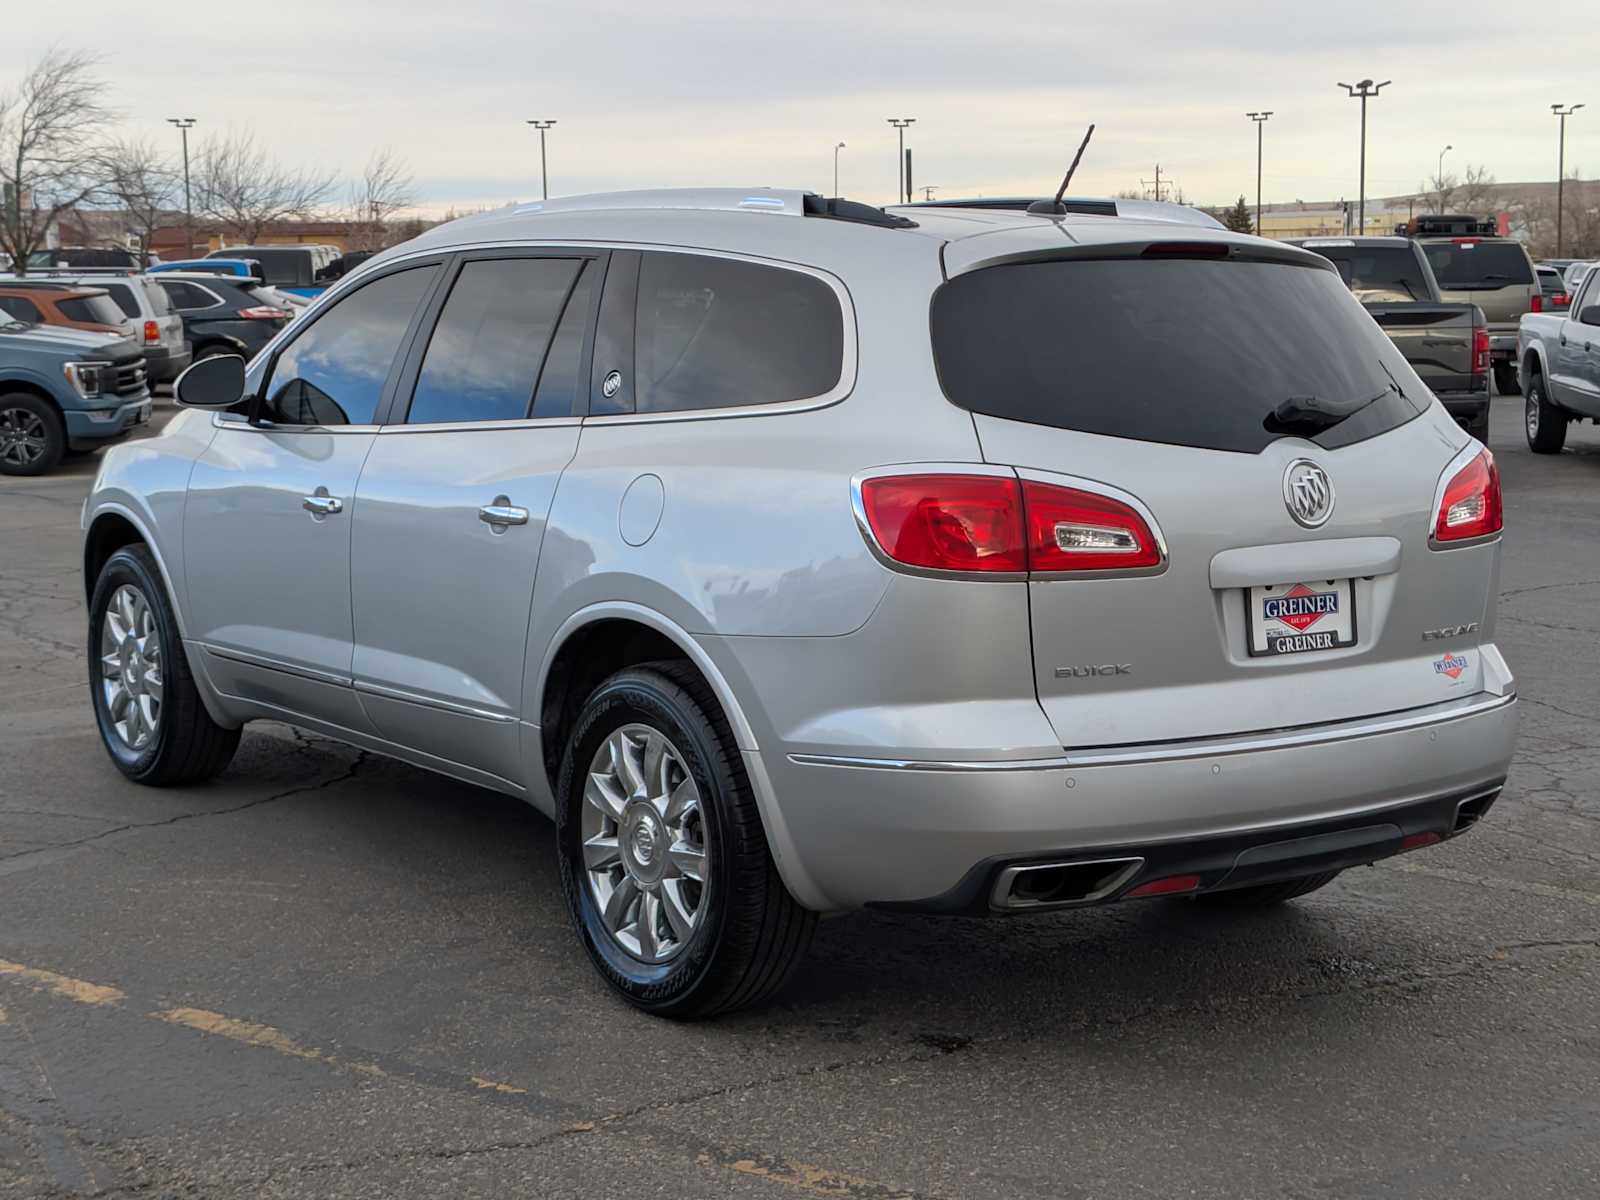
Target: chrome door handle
column 502, row 513
column 321, row 505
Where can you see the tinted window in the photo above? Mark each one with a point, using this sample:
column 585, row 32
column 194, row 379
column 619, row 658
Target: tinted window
column 1549, row 281
column 558, row 382
column 20, row 308
column 334, row 372
column 98, row 310
column 715, row 332
column 186, row 295
column 122, row 294
column 484, row 357
column 283, row 268
column 156, row 298
column 1378, row 274
column 1223, row 355
column 1478, row 266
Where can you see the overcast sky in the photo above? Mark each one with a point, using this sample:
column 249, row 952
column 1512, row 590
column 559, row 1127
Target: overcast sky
column 730, row 92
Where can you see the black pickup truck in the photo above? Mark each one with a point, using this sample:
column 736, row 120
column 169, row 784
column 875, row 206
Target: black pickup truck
column 1446, row 344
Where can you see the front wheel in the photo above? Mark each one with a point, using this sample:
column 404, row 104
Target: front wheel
column 664, row 862
column 1545, row 424
column 33, row 439
column 150, row 715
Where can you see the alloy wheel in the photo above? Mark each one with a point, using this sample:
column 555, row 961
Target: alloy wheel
column 131, row 680
column 22, row 437
column 645, row 851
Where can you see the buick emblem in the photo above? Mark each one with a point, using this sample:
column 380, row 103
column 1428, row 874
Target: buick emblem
column 1307, row 493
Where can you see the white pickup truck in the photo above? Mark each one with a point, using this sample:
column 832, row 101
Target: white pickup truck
column 1558, row 366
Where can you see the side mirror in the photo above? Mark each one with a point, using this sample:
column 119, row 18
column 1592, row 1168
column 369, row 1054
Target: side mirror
column 211, row 383
column 1590, row 314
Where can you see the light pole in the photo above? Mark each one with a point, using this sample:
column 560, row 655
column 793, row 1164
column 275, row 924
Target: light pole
column 1561, row 168
column 900, row 123
column 836, row 150
column 185, row 124
column 1364, row 89
column 1439, row 177
column 544, row 169
column 1260, row 118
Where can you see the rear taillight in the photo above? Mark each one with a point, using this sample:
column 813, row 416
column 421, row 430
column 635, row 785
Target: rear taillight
column 1073, row 530
column 265, row 314
column 1480, row 351
column 990, row 524
column 1470, row 505
column 152, row 332
column 1560, row 300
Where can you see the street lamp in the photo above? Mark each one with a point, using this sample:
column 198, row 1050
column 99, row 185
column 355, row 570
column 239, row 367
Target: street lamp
column 900, row 123
column 1439, row 177
column 185, row 124
column 1561, row 168
column 836, row 150
column 1260, row 118
column 1364, row 89
column 544, row 169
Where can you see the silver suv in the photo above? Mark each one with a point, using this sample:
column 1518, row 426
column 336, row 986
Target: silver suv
column 798, row 556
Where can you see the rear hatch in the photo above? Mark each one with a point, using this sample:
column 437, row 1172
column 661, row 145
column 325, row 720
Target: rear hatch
column 1195, row 386
column 1493, row 273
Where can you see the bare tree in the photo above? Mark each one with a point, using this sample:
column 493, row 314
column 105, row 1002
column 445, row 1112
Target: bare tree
column 384, row 189
column 243, row 190
column 1477, row 190
column 1441, row 189
column 48, row 157
column 144, row 183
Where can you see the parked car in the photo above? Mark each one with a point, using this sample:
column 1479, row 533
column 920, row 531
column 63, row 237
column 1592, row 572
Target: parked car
column 65, row 389
column 1553, row 287
column 222, row 314
column 797, row 556
column 292, row 268
column 146, row 315
column 247, row 270
column 1574, row 276
column 82, row 258
column 342, row 265
column 1446, row 344
column 1495, row 273
column 1559, row 357
column 63, row 304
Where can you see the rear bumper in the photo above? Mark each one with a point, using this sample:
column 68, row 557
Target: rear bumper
column 933, row 835
column 1503, row 344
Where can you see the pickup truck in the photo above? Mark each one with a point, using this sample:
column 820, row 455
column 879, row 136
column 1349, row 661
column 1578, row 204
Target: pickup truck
column 1558, row 365
column 1446, row 344
column 65, row 389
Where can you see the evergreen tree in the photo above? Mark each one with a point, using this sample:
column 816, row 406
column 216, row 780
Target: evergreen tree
column 1238, row 219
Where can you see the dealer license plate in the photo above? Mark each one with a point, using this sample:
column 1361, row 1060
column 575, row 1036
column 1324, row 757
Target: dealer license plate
column 1299, row 618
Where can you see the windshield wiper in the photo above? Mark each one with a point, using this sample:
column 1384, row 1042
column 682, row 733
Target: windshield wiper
column 1308, row 415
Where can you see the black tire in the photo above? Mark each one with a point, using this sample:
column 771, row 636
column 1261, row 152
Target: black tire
column 33, row 438
column 1543, row 422
column 187, row 745
column 212, row 350
column 1262, row 895
column 1479, row 428
column 750, row 932
column 1505, row 378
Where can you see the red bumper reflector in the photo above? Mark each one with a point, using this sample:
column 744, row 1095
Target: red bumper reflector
column 1416, row 841
column 1166, row 887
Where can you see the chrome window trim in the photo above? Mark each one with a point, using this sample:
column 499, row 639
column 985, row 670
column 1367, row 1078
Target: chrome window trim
column 176, row 278
column 849, row 364
column 1431, row 715
column 230, row 421
column 495, row 426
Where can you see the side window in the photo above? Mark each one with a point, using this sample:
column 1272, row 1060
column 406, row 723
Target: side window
column 558, row 382
column 718, row 333
column 484, row 358
column 333, row 373
column 1588, row 295
column 123, row 295
column 20, row 308
column 186, row 295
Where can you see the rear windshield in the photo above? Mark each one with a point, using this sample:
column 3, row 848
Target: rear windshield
column 99, row 310
column 1378, row 274
column 1191, row 352
column 1550, row 281
column 283, row 268
column 122, row 295
column 1478, row 266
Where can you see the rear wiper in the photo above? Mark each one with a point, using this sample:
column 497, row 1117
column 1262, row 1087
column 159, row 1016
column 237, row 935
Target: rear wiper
column 1303, row 414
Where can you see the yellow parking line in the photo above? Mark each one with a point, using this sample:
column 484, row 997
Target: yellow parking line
column 818, row 1181
column 252, row 1033
column 506, row 1088
column 62, row 985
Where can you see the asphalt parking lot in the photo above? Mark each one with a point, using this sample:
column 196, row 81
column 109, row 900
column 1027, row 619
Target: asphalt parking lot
column 332, row 975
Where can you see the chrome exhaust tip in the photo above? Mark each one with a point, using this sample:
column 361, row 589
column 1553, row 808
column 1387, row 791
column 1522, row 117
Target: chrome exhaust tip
column 1058, row 884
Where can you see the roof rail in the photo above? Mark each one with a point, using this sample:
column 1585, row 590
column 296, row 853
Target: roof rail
column 1143, row 210
column 783, row 202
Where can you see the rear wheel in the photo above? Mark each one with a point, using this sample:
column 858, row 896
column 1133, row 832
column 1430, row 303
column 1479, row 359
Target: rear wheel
column 1505, row 378
column 33, row 438
column 1266, row 894
column 150, row 715
column 664, row 861
column 1544, row 423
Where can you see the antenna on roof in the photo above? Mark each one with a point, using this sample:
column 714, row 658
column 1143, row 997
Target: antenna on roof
column 1054, row 208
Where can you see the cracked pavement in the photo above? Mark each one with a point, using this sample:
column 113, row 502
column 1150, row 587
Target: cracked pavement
column 329, row 974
